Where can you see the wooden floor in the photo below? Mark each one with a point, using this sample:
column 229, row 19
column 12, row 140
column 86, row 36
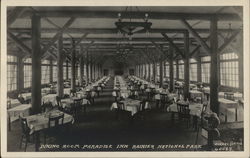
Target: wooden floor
column 99, row 126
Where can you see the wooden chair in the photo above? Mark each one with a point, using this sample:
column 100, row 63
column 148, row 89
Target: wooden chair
column 120, row 111
column 142, row 109
column 229, row 95
column 72, row 93
column 54, row 126
column 184, row 113
column 21, row 100
column 76, row 108
column 47, row 107
column 8, row 104
column 25, row 132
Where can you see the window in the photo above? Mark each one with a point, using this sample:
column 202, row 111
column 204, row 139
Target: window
column 151, row 70
column 174, row 65
column 167, row 70
column 54, row 73
column 205, row 69
column 69, row 72
column 11, row 73
column 158, row 72
column 27, row 76
column 181, row 69
column 27, row 73
column 229, row 70
column 193, row 69
column 64, row 72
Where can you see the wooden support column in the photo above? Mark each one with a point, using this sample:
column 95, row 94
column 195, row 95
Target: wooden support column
column 161, row 73
column 36, row 64
column 214, row 83
column 149, row 71
column 154, row 70
column 76, row 71
column 164, row 68
column 177, row 70
column 20, row 75
column 60, row 58
column 198, row 58
column 171, row 70
column 67, row 69
column 81, row 70
column 139, row 71
column 91, row 68
column 51, row 72
column 186, row 65
column 87, row 67
column 73, row 68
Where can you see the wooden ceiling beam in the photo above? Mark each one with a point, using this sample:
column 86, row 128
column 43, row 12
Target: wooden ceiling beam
column 110, row 30
column 59, row 33
column 133, row 15
column 195, row 50
column 196, row 35
column 14, row 14
column 228, row 41
column 19, row 43
column 173, row 44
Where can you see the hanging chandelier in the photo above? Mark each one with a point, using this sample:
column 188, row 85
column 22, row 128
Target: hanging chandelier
column 128, row 28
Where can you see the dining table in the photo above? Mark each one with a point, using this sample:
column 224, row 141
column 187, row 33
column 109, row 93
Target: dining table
column 39, row 122
column 50, row 98
column 195, row 93
column 195, row 111
column 131, row 105
column 15, row 112
column 227, row 106
column 26, row 96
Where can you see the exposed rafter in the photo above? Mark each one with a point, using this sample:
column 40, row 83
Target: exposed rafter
column 196, row 35
column 134, row 15
column 59, row 33
column 173, row 44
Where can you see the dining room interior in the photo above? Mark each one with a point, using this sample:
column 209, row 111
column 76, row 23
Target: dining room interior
column 125, row 78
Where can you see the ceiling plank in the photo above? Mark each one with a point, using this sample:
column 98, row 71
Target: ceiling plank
column 173, row 44
column 196, row 35
column 59, row 33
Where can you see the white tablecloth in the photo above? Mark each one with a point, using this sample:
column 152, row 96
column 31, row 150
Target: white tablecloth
column 50, row 98
column 195, row 109
column 40, row 121
column 22, row 110
column 130, row 105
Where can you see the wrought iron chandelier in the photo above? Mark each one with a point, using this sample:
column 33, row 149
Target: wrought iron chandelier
column 130, row 27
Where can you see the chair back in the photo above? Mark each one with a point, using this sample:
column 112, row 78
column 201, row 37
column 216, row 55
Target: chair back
column 77, row 103
column 58, row 101
column 120, row 105
column 56, row 120
column 183, row 109
column 8, row 104
column 72, row 92
column 229, row 95
column 21, row 100
column 24, row 125
column 46, row 107
column 142, row 106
